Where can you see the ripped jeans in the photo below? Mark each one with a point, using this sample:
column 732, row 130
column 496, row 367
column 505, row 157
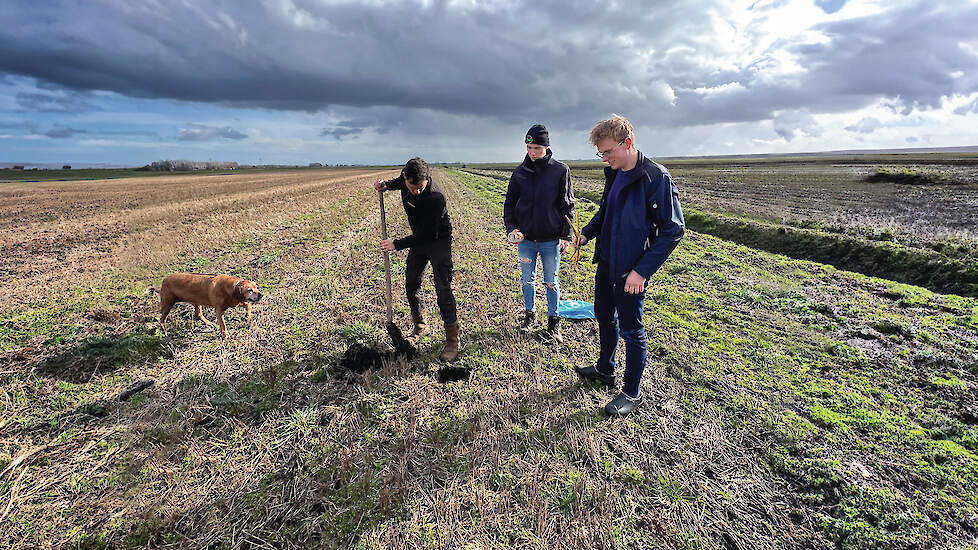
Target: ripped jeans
column 549, row 252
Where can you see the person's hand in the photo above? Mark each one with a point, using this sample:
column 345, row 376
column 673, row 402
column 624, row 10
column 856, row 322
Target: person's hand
column 514, row 237
column 634, row 283
column 379, row 185
column 564, row 246
column 387, row 245
column 581, row 241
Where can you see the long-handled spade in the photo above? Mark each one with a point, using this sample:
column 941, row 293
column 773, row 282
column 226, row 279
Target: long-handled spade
column 401, row 346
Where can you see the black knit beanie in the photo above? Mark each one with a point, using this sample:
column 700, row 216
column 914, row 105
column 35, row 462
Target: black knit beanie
column 538, row 135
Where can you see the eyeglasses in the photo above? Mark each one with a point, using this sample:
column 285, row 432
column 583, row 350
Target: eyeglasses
column 603, row 154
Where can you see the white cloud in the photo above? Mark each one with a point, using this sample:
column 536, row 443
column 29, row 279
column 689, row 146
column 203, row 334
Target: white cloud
column 725, row 88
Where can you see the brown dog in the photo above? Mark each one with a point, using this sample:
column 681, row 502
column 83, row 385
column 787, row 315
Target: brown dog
column 221, row 292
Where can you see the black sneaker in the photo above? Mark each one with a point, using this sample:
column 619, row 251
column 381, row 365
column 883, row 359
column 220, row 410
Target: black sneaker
column 528, row 318
column 592, row 373
column 623, row 404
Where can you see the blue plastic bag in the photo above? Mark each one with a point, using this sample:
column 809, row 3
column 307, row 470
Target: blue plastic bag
column 575, row 309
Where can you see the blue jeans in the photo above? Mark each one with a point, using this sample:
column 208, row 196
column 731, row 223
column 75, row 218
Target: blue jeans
column 549, row 252
column 619, row 313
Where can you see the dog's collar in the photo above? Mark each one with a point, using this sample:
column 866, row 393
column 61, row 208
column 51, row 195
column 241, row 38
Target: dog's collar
column 234, row 289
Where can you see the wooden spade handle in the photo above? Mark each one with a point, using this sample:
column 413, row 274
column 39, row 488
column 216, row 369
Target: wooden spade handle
column 387, row 261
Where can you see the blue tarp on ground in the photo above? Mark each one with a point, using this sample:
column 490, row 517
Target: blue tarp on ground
column 575, row 309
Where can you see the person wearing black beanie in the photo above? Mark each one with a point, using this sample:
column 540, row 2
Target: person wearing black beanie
column 539, row 201
column 538, row 135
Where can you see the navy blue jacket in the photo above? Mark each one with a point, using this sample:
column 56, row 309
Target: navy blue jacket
column 427, row 213
column 538, row 198
column 648, row 224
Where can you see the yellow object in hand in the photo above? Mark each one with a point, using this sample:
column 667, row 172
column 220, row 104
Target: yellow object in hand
column 576, row 228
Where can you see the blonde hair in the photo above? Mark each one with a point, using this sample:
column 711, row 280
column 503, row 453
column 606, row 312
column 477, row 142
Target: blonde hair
column 617, row 128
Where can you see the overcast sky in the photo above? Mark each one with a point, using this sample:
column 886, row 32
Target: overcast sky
column 371, row 81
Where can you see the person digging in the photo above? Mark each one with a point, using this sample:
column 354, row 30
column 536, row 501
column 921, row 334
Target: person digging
column 430, row 241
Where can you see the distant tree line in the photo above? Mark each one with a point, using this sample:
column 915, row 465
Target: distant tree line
column 187, row 166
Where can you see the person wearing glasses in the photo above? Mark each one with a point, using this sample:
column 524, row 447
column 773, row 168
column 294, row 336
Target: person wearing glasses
column 430, row 241
column 638, row 224
column 539, row 203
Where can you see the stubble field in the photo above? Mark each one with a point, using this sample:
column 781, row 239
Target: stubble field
column 790, row 404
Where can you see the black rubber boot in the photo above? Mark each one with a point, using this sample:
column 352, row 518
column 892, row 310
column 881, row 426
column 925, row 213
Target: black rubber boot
column 592, row 373
column 623, row 404
column 528, row 318
column 553, row 329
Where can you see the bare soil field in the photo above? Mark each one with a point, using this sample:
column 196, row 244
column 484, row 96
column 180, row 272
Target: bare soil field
column 790, row 405
column 57, row 235
column 837, row 195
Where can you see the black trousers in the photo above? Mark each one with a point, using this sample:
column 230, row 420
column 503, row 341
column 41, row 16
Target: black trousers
column 439, row 255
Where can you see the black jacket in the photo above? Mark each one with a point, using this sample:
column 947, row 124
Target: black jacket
column 539, row 197
column 426, row 213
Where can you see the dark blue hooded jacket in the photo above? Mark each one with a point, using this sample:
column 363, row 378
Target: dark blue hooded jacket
column 648, row 223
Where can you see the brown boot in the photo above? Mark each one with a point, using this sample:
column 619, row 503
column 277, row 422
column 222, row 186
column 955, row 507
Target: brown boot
column 451, row 343
column 420, row 327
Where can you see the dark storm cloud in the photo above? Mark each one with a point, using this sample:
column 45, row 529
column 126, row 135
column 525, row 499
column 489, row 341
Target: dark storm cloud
column 351, row 127
column 487, row 60
column 567, row 63
column 340, row 132
column 200, row 132
column 909, row 56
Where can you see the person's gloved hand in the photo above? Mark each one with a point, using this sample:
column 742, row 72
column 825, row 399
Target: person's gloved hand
column 515, row 237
